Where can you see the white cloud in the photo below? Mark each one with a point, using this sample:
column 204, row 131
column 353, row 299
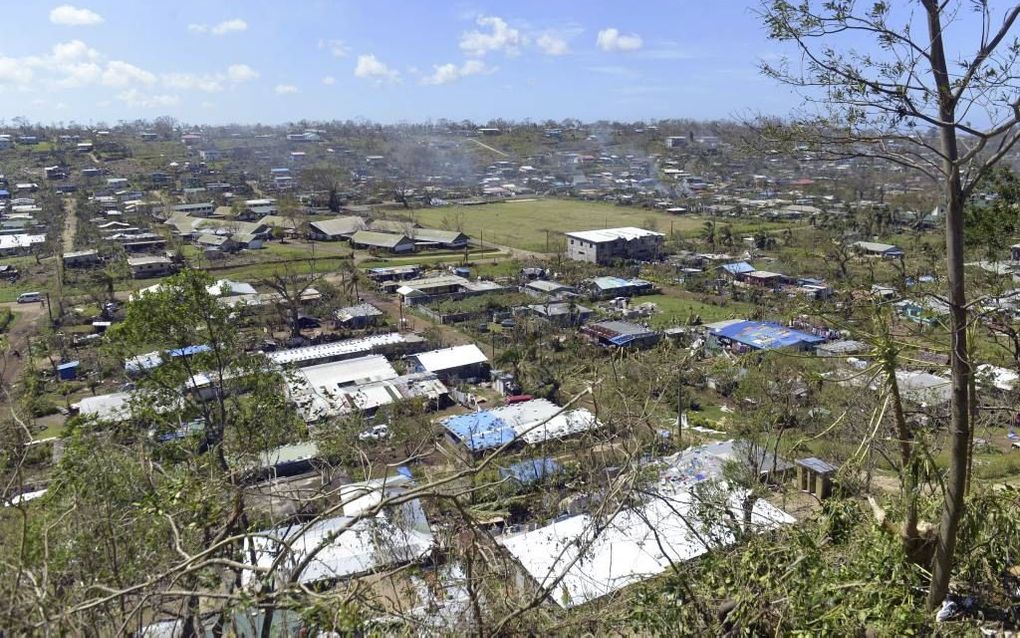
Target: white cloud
column 120, row 73
column 612, row 40
column 137, row 99
column 72, row 16
column 500, row 37
column 337, row 48
column 73, row 51
column 73, row 65
column 551, row 44
column 234, row 25
column 230, row 26
column 68, row 65
column 14, row 73
column 448, row 73
column 369, row 67
column 329, row 80
column 238, row 73
column 285, row 89
column 210, row 82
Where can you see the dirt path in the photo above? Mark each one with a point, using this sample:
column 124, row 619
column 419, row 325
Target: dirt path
column 487, row 147
column 70, row 223
column 26, row 322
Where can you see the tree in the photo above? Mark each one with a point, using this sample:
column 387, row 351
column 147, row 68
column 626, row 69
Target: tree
column 333, row 203
column 291, row 288
column 726, row 235
column 903, row 104
column 708, row 233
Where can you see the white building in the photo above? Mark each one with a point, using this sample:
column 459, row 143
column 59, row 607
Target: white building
column 605, row 246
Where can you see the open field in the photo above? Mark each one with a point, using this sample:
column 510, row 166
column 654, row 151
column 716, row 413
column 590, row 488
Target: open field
column 524, row 224
column 677, row 310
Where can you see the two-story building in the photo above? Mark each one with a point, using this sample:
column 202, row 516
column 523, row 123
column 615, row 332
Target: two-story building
column 611, row 244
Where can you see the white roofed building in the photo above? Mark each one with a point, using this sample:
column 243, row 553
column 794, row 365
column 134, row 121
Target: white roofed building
column 456, row 363
column 611, row 244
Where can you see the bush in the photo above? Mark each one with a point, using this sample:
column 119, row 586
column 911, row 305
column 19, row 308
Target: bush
column 6, row 319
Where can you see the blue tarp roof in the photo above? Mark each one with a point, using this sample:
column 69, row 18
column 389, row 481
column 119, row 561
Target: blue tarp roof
column 765, row 335
column 739, row 268
column 622, row 340
column 187, row 351
column 480, row 431
column 532, row 470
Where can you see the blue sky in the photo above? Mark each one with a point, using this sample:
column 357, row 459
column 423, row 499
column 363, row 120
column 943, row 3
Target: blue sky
column 384, row 60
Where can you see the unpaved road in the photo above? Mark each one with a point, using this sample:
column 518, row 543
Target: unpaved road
column 70, row 223
column 28, row 316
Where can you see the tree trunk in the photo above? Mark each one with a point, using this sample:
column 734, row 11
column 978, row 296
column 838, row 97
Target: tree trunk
column 909, row 479
column 959, row 357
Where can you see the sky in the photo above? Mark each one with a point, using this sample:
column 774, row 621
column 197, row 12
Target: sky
column 227, row 61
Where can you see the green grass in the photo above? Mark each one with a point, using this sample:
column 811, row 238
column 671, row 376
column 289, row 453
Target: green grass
column 443, row 258
column 253, row 272
column 675, row 310
column 523, row 224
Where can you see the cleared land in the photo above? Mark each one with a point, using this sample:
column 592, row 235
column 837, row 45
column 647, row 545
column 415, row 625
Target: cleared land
column 678, row 310
column 530, row 224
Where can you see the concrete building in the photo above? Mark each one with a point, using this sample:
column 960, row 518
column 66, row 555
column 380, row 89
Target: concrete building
column 81, row 259
column 142, row 267
column 452, row 364
column 605, row 246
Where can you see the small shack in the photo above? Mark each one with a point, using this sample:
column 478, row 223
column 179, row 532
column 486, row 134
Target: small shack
column 68, row 371
column 815, row 476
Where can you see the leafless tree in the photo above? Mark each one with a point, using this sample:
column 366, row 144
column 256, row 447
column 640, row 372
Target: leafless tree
column 910, row 102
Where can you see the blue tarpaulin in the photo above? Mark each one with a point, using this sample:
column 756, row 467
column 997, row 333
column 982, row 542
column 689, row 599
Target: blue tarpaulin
column 480, row 431
column 68, row 371
column 187, row 351
column 739, row 268
column 530, row 471
column 765, row 335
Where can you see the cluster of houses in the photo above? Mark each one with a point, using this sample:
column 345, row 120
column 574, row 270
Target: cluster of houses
column 21, row 232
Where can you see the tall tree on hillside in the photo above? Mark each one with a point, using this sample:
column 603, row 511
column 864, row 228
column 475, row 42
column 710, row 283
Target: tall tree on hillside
column 908, row 101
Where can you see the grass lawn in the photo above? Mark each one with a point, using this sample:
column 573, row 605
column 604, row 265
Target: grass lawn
column 444, row 258
column 675, row 310
column 523, row 224
column 253, row 272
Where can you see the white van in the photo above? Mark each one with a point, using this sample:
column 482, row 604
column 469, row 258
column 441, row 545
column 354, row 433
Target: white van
column 30, row 297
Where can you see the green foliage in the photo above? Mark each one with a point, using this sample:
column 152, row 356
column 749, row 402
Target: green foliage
column 990, row 227
column 838, row 576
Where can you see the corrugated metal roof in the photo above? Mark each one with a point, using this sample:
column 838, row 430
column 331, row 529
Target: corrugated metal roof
column 626, row 233
column 450, row 358
column 335, row 349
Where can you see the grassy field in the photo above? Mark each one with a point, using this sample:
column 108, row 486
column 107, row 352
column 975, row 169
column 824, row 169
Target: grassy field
column 676, row 310
column 524, row 224
column 424, row 259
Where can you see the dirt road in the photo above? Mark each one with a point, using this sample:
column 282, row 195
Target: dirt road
column 26, row 323
column 70, row 223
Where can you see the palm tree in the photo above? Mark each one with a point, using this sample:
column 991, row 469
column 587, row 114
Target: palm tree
column 708, row 233
column 726, row 235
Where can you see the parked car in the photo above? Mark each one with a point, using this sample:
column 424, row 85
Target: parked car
column 30, row 297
